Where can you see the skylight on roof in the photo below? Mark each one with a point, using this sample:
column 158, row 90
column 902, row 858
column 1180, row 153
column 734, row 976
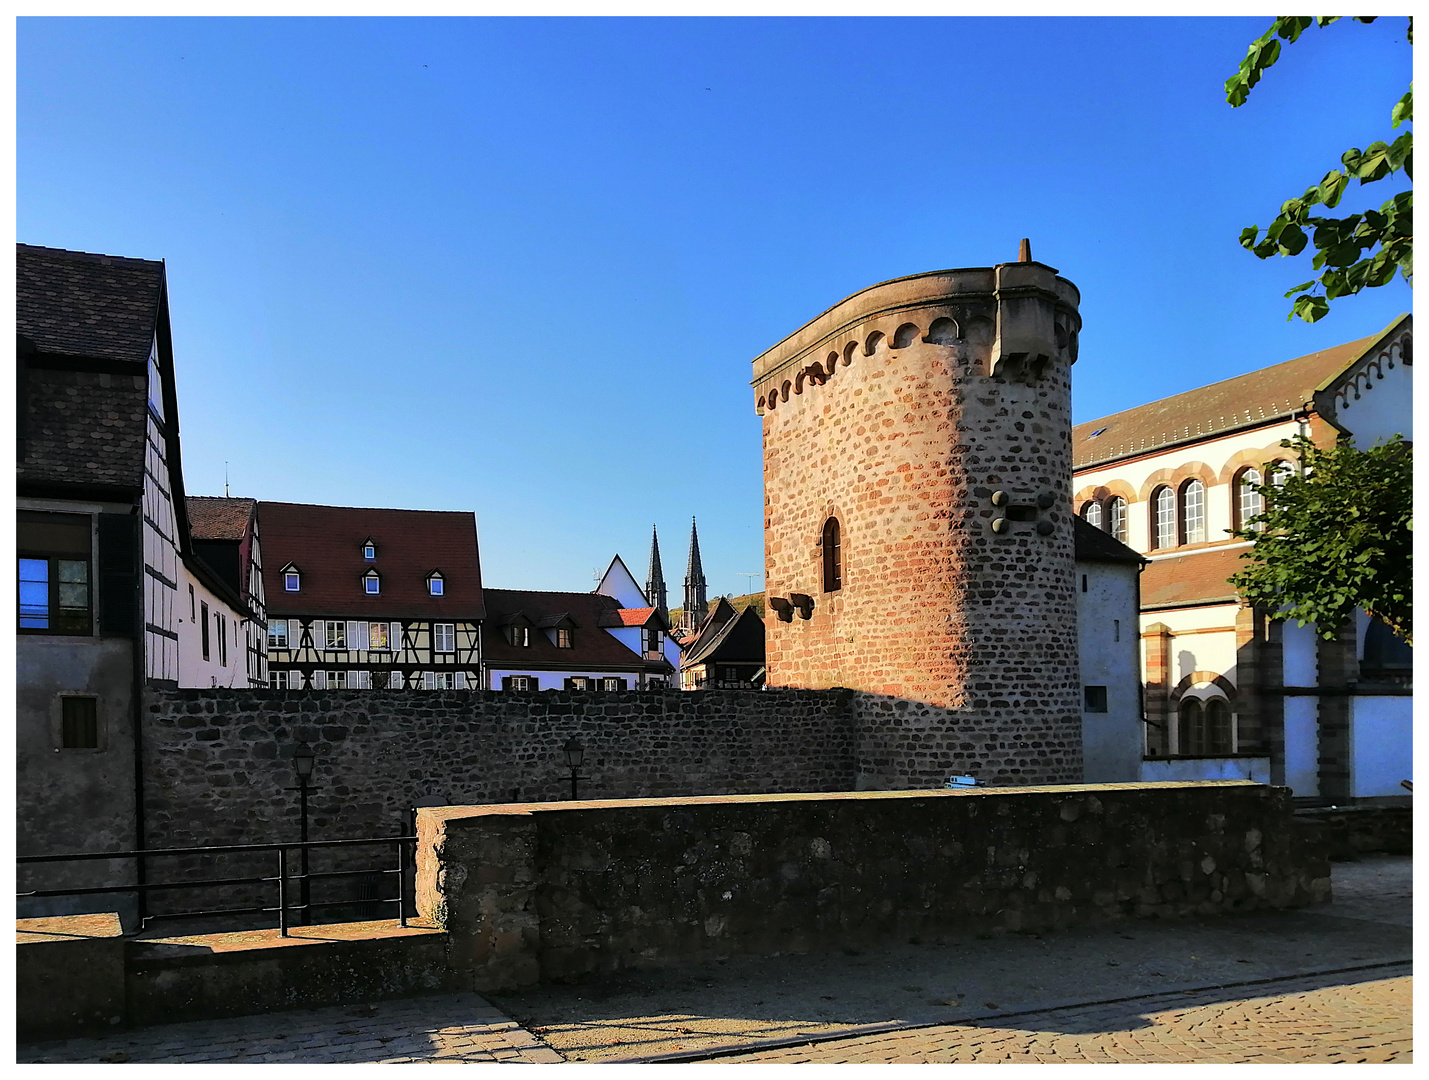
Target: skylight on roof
column 1097, row 432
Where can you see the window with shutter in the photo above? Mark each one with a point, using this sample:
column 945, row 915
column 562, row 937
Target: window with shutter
column 429, row 680
column 119, row 574
column 397, row 642
column 319, row 680
column 461, row 680
column 295, row 633
column 506, row 682
column 352, row 640
column 319, row 632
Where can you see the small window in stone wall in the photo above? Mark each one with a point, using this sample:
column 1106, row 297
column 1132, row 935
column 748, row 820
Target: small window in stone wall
column 1094, row 699
column 79, row 722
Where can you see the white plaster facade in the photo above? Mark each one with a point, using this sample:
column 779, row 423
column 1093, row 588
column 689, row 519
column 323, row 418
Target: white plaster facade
column 203, row 613
column 1199, row 644
column 1108, row 640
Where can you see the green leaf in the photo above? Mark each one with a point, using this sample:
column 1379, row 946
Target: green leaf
column 1403, row 109
column 1248, row 235
column 1332, row 187
column 1311, row 308
column 1300, row 288
column 1292, row 240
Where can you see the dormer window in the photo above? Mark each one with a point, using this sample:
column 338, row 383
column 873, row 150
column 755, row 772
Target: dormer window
column 372, row 583
column 369, row 551
column 563, row 638
column 435, row 585
column 291, row 580
column 521, row 636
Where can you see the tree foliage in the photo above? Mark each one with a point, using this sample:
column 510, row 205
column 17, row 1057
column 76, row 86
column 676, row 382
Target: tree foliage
column 1336, row 537
column 1358, row 251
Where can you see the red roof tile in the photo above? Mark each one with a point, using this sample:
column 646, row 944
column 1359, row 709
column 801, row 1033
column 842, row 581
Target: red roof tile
column 325, row 544
column 1260, row 396
column 639, row 616
column 591, row 647
column 1196, row 577
column 213, row 518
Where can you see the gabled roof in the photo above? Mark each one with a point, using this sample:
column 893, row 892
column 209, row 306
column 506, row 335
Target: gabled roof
column 1096, row 545
column 592, row 648
column 1199, row 577
column 721, row 614
column 325, row 542
column 1258, row 397
column 619, row 583
column 213, row 518
column 738, row 638
column 641, row 616
column 74, row 303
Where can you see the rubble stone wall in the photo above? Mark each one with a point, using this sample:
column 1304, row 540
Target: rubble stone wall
column 541, row 893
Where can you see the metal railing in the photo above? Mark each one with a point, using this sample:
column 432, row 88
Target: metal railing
column 281, row 878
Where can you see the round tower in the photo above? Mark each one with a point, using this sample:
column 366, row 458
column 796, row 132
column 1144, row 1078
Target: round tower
column 918, row 542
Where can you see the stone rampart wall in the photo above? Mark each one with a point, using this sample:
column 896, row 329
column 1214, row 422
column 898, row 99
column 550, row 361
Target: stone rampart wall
column 559, row 891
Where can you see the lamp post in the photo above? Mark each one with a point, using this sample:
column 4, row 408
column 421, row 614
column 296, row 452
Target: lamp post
column 303, row 760
column 575, row 754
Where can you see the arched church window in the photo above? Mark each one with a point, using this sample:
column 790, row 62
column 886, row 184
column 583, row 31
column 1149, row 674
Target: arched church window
column 1219, row 740
column 833, row 560
column 1191, row 729
column 1092, row 513
column 1116, row 517
column 1248, row 503
column 1163, row 518
column 1193, row 512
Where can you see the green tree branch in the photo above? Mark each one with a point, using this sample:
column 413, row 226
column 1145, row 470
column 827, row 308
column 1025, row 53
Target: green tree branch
column 1359, row 251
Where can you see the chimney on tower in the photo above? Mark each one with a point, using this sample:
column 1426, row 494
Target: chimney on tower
column 1024, row 250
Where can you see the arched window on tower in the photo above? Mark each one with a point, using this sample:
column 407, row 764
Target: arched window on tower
column 1248, row 503
column 1092, row 513
column 1116, row 517
column 1163, row 518
column 833, row 556
column 1193, row 512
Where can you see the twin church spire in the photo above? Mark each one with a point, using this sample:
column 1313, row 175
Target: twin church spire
column 696, row 603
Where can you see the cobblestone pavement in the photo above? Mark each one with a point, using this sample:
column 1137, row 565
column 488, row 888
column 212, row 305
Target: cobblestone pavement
column 1302, row 1020
column 432, row 1028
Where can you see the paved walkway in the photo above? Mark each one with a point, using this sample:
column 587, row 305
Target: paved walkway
column 432, row 1028
column 1298, row 1021
column 1234, row 989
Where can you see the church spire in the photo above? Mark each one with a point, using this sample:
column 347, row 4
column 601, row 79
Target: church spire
column 655, row 584
column 696, row 605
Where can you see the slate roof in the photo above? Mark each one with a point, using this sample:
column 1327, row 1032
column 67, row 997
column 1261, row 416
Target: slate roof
column 592, row 648
column 1196, row 577
column 84, row 428
column 214, row 518
column 325, row 543
column 1270, row 394
column 75, row 303
column 1097, row 545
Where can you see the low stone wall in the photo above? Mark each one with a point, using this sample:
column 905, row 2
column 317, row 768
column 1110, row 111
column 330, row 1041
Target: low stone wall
column 561, row 890
column 1352, row 831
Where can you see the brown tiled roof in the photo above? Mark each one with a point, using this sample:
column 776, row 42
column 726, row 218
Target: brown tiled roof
column 740, row 637
column 591, row 647
column 214, row 518
column 1196, row 577
column 1097, row 545
column 325, row 544
column 78, row 304
column 1262, row 396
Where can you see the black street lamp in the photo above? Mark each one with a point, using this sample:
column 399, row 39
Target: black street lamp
column 575, row 754
column 303, row 761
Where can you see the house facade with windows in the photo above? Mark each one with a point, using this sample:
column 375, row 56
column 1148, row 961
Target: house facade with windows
column 571, row 641
column 726, row 652
column 225, row 540
column 103, row 542
column 371, row 599
column 645, row 624
column 1229, row 692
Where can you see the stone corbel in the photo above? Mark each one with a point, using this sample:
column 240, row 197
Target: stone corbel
column 804, row 602
column 782, row 608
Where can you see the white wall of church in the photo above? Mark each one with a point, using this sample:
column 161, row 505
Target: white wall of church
column 1381, row 745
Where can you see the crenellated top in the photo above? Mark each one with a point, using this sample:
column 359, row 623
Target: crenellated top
column 984, row 307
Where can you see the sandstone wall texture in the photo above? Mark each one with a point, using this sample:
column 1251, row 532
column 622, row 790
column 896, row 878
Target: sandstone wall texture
column 554, row 892
column 919, row 413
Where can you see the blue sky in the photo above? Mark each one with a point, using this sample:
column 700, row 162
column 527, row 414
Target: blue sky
column 521, row 267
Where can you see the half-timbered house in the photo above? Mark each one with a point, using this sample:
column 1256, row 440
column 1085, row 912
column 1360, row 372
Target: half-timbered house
column 571, row 641
column 371, row 599
column 103, row 540
column 225, row 540
column 726, row 652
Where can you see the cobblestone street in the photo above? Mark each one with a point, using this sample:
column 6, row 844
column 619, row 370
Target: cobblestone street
column 1302, row 1021
column 432, row 1028
column 1325, row 984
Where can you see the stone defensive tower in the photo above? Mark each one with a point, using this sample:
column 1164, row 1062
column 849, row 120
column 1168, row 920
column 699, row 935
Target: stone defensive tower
column 917, row 537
